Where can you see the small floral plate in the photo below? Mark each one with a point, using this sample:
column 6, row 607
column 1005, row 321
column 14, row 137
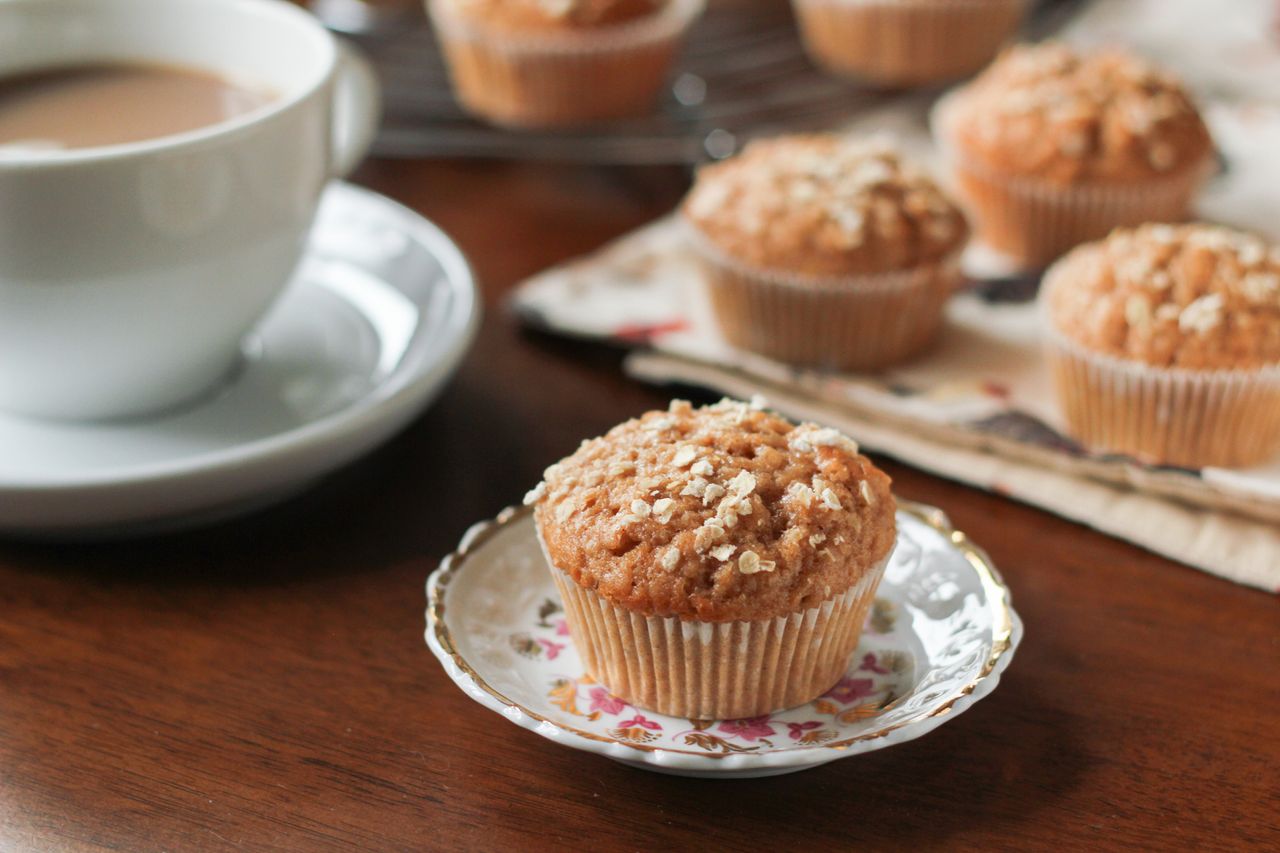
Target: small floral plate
column 941, row 632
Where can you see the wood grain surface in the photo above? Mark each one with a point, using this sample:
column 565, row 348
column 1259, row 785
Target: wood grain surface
column 263, row 685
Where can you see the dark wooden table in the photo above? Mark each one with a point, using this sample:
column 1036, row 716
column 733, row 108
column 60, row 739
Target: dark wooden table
column 264, row 685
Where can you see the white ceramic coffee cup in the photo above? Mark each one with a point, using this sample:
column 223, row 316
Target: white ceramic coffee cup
column 130, row 274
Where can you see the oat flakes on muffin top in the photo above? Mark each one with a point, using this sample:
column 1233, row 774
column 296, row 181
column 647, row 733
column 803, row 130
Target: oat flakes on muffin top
column 823, row 205
column 1049, row 112
column 552, row 15
column 722, row 513
column 1192, row 296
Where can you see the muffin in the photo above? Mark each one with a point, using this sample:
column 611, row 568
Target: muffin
column 906, row 42
column 552, row 63
column 825, row 251
column 1165, row 344
column 716, row 563
column 1050, row 148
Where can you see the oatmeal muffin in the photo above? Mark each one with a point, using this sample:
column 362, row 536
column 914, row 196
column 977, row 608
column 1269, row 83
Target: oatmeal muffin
column 716, row 563
column 906, row 42
column 1165, row 344
column 550, row 63
column 825, row 251
column 1051, row 148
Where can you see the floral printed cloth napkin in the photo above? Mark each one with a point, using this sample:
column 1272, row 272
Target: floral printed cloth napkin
column 978, row 408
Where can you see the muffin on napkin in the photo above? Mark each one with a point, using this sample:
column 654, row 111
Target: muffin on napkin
column 717, row 562
column 550, row 63
column 825, row 251
column 1050, row 148
column 1165, row 344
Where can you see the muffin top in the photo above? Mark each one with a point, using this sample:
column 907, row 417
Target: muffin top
column 824, row 205
column 1048, row 112
column 555, row 15
column 1190, row 296
column 720, row 514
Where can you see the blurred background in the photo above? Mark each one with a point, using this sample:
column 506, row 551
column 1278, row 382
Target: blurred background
column 744, row 72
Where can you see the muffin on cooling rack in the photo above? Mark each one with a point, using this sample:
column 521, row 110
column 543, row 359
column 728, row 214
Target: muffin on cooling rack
column 552, row 63
column 717, row 562
column 1051, row 148
column 825, row 251
column 906, row 42
column 1165, row 344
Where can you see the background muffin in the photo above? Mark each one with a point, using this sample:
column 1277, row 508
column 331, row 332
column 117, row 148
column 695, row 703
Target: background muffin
column 719, row 562
column 547, row 63
column 1165, row 344
column 906, row 42
column 1051, row 148
column 825, row 251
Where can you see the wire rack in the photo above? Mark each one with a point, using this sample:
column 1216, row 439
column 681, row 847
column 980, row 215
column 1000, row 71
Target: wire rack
column 743, row 74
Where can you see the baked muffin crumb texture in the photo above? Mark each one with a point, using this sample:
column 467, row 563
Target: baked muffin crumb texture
column 534, row 15
column 723, row 513
column 822, row 204
column 1050, row 112
column 1193, row 296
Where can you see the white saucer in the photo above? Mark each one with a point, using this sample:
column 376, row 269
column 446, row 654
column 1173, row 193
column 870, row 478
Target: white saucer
column 941, row 632
column 379, row 314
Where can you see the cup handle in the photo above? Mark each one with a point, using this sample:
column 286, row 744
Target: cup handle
column 357, row 109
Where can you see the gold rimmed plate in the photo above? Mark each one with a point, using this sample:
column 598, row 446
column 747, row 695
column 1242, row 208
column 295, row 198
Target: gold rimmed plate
column 940, row 634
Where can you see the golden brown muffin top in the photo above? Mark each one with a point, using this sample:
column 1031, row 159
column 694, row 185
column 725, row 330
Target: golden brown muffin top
column 723, row 513
column 1190, row 296
column 1048, row 112
column 555, row 15
column 823, row 205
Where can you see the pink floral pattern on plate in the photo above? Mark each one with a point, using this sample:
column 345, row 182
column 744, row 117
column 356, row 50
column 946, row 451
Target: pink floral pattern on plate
column 936, row 641
column 879, row 673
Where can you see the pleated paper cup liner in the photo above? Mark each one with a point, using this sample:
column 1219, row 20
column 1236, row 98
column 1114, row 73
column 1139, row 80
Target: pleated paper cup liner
column 856, row 322
column 561, row 79
column 1033, row 222
column 906, row 42
column 717, row 670
column 1165, row 416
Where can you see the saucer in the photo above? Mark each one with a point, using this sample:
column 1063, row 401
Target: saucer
column 377, row 318
column 939, row 635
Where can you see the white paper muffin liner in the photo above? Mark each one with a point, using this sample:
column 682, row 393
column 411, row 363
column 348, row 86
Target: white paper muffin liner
column 1033, row 222
column 1165, row 416
column 563, row 78
column 906, row 42
column 857, row 322
column 717, row 670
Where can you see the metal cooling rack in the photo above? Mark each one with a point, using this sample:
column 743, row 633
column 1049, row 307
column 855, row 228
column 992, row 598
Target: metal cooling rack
column 743, row 74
